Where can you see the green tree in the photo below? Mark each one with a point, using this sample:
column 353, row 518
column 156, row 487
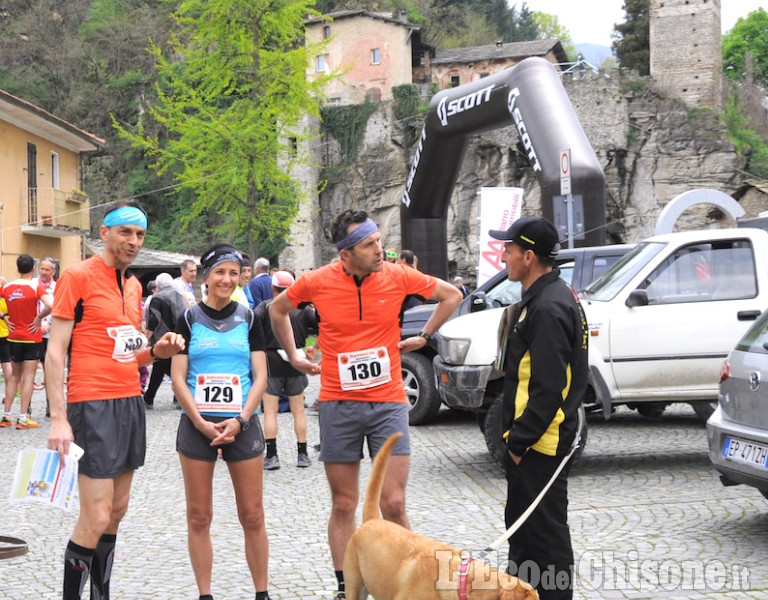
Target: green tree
column 525, row 26
column 749, row 36
column 231, row 98
column 631, row 39
column 746, row 140
column 475, row 30
column 551, row 29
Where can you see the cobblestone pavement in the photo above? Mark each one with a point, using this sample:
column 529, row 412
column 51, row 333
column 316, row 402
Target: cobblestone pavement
column 646, row 512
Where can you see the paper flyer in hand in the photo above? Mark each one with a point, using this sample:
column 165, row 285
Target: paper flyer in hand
column 41, row 477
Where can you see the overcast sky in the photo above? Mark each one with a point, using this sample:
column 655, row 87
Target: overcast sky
column 592, row 21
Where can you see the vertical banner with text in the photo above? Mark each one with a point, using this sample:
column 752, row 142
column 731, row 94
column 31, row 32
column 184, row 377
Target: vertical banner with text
column 499, row 208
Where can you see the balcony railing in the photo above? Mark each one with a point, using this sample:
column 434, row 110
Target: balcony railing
column 49, row 211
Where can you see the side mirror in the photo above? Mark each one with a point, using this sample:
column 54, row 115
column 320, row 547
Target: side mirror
column 637, row 298
column 477, row 302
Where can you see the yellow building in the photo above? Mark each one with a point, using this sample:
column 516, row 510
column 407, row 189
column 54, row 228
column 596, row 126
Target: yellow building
column 43, row 211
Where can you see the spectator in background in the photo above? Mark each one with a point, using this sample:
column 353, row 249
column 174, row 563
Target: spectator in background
column 283, row 378
column 5, row 352
column 143, row 369
column 407, row 257
column 242, row 293
column 261, row 283
column 46, row 269
column 458, row 281
column 145, row 304
column 25, row 339
column 391, row 255
column 185, row 283
column 166, row 308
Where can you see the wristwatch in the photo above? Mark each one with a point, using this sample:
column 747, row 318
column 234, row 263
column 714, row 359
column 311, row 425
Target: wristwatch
column 425, row 335
column 244, row 425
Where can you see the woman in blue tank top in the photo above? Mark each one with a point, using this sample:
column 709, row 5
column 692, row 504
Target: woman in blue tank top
column 219, row 381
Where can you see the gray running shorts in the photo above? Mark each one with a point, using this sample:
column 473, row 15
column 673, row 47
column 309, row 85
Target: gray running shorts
column 193, row 444
column 113, row 434
column 346, row 424
column 293, row 386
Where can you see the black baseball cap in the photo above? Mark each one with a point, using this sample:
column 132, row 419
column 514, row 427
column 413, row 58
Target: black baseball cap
column 531, row 233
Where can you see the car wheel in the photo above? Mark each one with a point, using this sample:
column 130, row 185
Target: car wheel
column 704, row 409
column 493, row 429
column 419, row 382
column 651, row 410
column 493, row 432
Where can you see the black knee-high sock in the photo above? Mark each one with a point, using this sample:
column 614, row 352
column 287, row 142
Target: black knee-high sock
column 271, row 447
column 102, row 567
column 302, row 447
column 77, row 567
column 340, row 579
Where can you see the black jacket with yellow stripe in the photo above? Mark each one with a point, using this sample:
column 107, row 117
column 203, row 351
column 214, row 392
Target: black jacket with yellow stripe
column 546, row 369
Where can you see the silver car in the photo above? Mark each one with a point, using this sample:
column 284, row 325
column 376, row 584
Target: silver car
column 738, row 429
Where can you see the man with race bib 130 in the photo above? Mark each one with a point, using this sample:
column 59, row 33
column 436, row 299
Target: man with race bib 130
column 359, row 300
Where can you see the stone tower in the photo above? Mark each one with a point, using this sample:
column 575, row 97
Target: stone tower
column 686, row 51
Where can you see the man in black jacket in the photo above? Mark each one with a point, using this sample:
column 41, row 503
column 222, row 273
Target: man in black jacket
column 545, row 381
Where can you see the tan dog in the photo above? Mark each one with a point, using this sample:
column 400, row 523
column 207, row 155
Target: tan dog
column 390, row 562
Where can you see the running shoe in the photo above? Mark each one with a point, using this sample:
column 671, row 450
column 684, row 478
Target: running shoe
column 6, row 422
column 303, row 461
column 26, row 423
column 272, row 463
column 340, row 596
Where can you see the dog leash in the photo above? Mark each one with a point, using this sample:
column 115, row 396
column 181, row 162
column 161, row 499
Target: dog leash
column 522, row 518
column 11, row 546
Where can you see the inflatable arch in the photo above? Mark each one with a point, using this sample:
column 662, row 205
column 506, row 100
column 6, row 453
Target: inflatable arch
column 529, row 96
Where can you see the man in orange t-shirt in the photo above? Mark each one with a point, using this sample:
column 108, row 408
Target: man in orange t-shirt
column 25, row 337
column 359, row 300
column 97, row 313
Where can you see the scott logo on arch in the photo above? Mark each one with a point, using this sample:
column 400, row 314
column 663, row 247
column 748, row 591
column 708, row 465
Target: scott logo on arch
column 446, row 109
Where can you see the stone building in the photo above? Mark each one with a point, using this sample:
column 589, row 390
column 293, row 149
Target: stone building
column 457, row 66
column 372, row 52
column 686, row 51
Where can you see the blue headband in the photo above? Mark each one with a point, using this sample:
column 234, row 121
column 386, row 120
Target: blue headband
column 126, row 215
column 367, row 227
column 218, row 256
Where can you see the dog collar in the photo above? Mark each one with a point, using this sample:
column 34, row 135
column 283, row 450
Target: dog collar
column 463, row 571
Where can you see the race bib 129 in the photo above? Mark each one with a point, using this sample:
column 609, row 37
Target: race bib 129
column 218, row 392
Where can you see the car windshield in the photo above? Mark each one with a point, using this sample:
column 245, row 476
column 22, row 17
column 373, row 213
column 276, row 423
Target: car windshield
column 505, row 293
column 756, row 337
column 613, row 281
column 566, row 271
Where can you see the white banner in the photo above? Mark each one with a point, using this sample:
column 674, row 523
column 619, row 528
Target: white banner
column 499, row 208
